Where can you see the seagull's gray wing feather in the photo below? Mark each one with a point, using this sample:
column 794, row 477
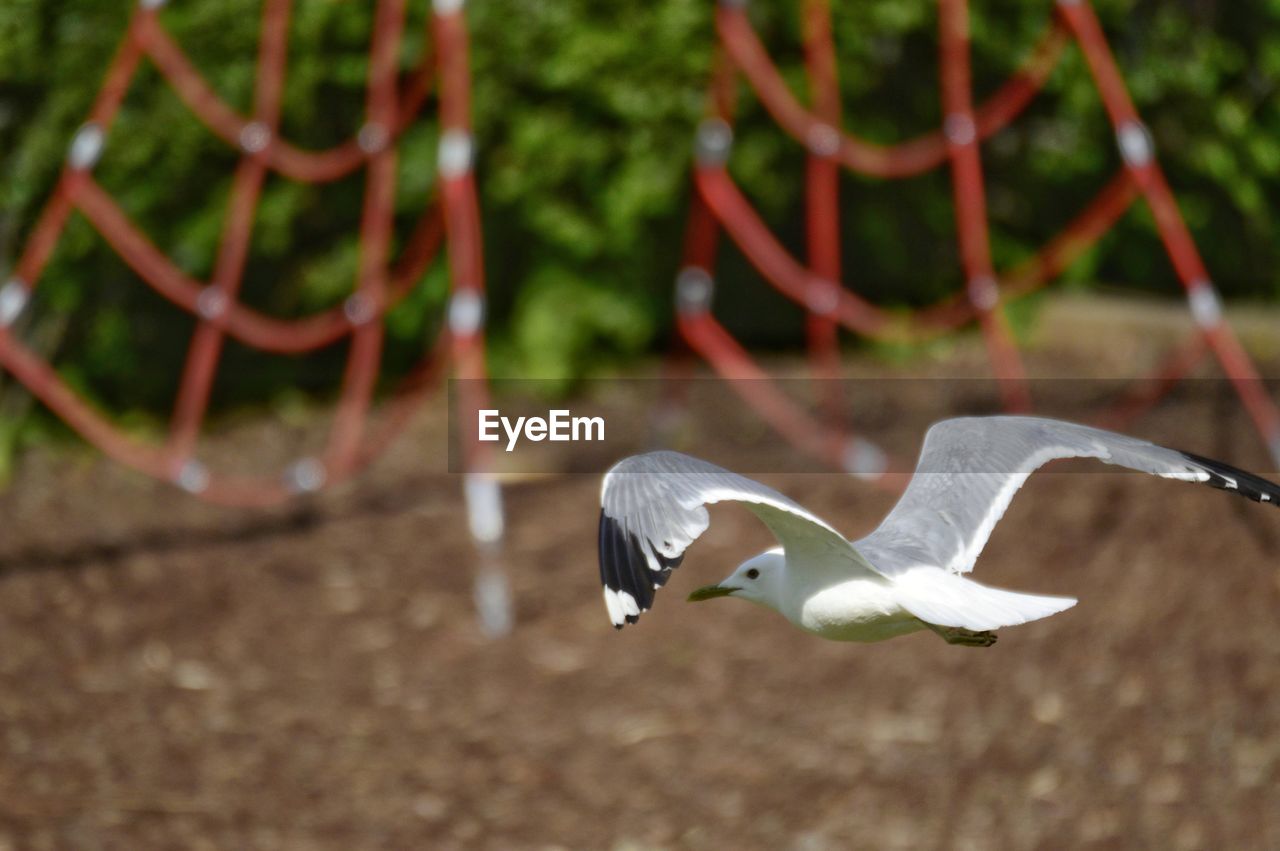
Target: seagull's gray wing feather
column 970, row 468
column 653, row 507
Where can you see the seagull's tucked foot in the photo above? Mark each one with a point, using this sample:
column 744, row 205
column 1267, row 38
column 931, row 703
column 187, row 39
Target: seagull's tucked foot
column 963, row 637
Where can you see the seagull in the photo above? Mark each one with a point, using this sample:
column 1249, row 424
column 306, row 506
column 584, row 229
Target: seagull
column 907, row 575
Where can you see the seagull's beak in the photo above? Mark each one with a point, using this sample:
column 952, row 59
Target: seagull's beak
column 710, row 592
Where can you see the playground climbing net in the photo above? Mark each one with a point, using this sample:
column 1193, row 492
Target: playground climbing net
column 718, row 205
column 451, row 219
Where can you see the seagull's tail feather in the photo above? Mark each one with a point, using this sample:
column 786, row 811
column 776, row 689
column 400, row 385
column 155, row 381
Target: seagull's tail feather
column 942, row 598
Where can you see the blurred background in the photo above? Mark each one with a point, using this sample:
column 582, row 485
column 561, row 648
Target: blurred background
column 179, row 675
column 586, row 115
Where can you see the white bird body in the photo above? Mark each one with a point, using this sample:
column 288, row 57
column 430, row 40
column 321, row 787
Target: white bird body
column 855, row 610
column 822, row 598
column 905, row 576
column 819, row 593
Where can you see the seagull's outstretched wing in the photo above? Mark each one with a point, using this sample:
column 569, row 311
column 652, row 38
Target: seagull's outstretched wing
column 970, row 468
column 653, row 508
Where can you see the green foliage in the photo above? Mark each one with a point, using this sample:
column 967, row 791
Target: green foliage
column 567, row 321
column 585, row 112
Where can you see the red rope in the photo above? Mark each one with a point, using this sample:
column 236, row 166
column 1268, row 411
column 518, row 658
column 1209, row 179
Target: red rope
column 731, row 362
column 247, row 325
column 233, row 251
column 462, row 228
column 375, row 238
column 1145, row 395
column 288, row 159
column 788, row 275
column 379, row 286
column 1178, row 243
column 905, row 159
column 822, row 207
column 816, row 285
column 969, row 192
column 802, row 285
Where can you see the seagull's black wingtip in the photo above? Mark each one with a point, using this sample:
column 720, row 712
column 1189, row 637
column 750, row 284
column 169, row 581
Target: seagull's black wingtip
column 624, row 571
column 1225, row 477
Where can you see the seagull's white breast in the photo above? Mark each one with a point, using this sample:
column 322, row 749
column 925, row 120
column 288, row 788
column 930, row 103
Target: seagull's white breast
column 858, row 609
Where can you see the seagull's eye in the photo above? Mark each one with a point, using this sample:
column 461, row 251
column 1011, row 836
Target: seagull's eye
column 753, row 573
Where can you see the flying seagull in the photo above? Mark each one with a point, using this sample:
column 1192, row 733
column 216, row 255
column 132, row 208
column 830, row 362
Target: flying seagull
column 908, row 574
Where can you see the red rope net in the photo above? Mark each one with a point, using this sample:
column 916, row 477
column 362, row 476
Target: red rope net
column 452, row 221
column 718, row 206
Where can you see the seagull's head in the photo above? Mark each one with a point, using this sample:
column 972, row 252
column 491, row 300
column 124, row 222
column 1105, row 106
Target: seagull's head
column 758, row 579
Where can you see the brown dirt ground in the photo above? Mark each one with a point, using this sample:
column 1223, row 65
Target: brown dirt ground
column 179, row 676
